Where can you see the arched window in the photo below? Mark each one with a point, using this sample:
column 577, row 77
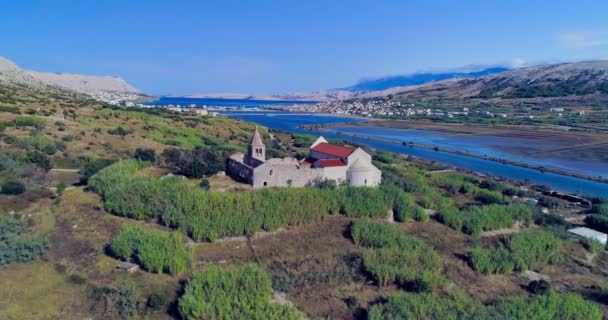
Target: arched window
column 270, row 172
column 365, row 182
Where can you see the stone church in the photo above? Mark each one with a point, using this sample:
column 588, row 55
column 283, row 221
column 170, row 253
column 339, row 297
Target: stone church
column 325, row 161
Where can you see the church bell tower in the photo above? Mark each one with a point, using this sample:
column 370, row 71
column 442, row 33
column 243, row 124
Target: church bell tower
column 256, row 148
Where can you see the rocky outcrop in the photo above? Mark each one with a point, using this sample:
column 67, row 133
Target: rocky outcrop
column 102, row 88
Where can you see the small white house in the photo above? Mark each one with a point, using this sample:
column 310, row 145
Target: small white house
column 590, row 234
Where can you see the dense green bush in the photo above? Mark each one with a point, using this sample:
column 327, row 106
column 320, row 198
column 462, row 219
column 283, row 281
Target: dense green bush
column 597, row 222
column 601, row 209
column 232, row 293
column 486, row 261
column 474, row 220
column 393, row 257
column 428, row 306
column 90, row 166
column 524, row 251
column 196, row 163
column 207, row 215
column 154, row 250
column 548, row 306
column 39, row 159
column 30, row 121
column 12, row 187
column 424, row 306
column 405, row 209
column 15, row 246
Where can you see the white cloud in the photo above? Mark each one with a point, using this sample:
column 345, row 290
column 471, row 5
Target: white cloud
column 584, row 39
column 518, row 63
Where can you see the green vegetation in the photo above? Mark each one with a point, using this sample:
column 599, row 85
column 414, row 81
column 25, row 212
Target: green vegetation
column 155, row 251
column 196, row 163
column 12, row 187
column 601, row 209
column 524, row 251
column 233, row 293
column 393, row 257
column 405, row 209
column 30, row 121
column 597, row 222
column 15, row 246
column 474, row 220
column 424, row 306
column 429, row 306
column 206, row 215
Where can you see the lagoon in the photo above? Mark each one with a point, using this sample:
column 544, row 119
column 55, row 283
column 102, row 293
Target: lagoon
column 483, row 145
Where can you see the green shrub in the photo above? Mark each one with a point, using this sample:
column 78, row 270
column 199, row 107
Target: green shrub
column 89, row 167
column 597, row 222
column 477, row 219
column 39, row 159
column 393, row 257
column 12, row 187
column 524, row 251
column 121, row 301
column 9, row 109
column 547, row 306
column 155, row 251
column 43, row 144
column 207, row 215
column 429, row 306
column 30, row 121
column 424, row 306
column 601, row 209
column 405, row 209
column 489, row 261
column 195, row 163
column 232, row 293
column 16, row 246
column 533, row 249
column 156, row 301
column 120, row 131
column 593, row 245
column 61, row 186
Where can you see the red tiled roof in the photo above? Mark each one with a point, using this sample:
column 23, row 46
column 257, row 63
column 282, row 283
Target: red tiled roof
column 333, row 150
column 331, row 163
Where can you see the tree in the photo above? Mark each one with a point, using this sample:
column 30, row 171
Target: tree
column 39, row 159
column 12, row 187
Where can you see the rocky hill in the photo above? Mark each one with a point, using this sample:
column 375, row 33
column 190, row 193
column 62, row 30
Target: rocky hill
column 544, row 81
column 418, row 79
column 102, row 88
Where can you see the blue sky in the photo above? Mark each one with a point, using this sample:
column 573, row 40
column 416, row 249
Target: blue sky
column 264, row 47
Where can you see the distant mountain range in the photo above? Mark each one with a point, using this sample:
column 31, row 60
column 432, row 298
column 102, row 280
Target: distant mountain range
column 98, row 87
column 552, row 80
column 418, row 79
column 362, row 88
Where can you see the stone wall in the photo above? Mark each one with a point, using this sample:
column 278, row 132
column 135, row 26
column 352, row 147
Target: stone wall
column 284, row 175
column 240, row 171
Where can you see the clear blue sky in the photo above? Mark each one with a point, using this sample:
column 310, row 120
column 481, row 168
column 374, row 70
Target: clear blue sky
column 262, row 46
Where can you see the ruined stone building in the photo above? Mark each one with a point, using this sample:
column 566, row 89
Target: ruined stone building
column 325, row 161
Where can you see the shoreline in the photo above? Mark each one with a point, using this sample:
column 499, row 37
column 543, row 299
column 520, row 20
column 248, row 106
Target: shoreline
column 323, row 128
